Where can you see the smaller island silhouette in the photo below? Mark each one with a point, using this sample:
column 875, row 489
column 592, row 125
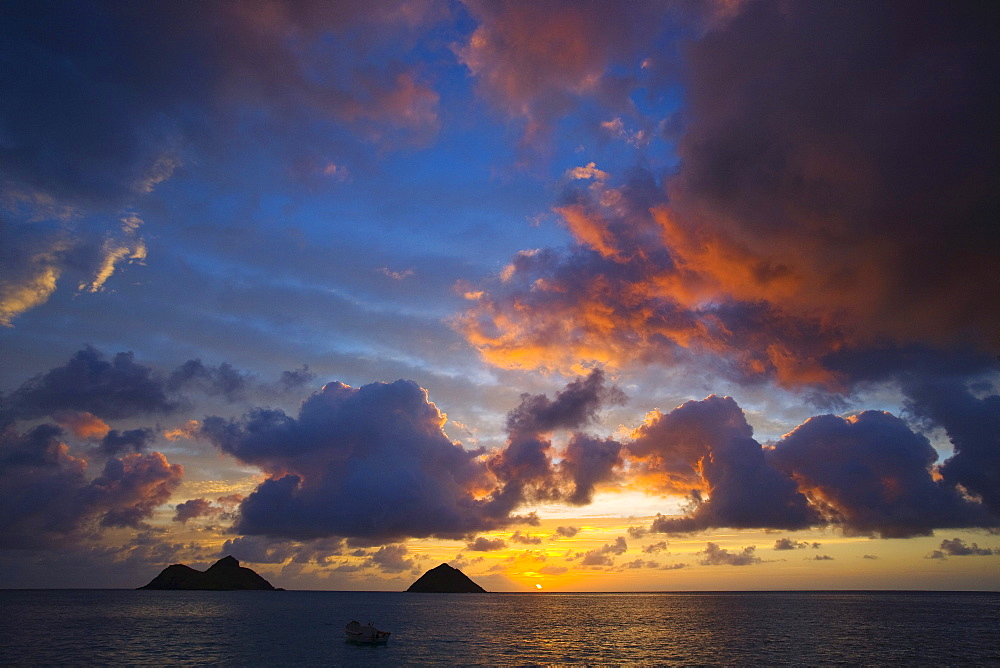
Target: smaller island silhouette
column 444, row 579
column 224, row 575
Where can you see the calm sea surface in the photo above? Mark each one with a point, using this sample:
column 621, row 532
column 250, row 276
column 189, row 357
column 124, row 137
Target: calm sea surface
column 306, row 628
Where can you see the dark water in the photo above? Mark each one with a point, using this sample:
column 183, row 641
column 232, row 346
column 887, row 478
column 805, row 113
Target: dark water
column 114, row 627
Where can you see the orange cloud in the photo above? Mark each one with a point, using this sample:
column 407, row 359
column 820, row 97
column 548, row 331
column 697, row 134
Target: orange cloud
column 83, row 424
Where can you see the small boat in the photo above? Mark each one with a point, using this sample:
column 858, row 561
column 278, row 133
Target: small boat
column 366, row 635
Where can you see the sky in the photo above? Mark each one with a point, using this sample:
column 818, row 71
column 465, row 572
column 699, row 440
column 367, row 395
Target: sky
column 574, row 296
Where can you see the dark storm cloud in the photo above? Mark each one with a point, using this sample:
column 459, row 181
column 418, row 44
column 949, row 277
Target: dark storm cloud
column 834, row 194
column 871, row 474
column 852, row 153
column 46, row 498
column 371, row 463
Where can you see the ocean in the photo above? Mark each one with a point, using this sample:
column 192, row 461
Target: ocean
column 303, row 628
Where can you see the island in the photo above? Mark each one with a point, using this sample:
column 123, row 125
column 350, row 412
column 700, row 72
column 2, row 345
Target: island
column 444, row 579
column 224, row 575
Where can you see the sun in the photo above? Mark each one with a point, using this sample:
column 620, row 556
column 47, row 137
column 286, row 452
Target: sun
column 538, row 586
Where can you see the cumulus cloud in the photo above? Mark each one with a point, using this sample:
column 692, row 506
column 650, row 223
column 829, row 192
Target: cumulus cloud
column 392, row 559
column 637, row 531
column 718, row 556
column 524, row 468
column 655, row 548
column 370, row 463
column 706, row 448
column 567, row 532
column 870, row 474
column 973, row 425
column 525, row 538
column 789, row 544
column 867, row 474
column 604, row 556
column 192, row 508
column 484, row 544
column 956, row 547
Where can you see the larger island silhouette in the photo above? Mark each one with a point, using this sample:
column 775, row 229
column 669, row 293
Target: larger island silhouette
column 224, row 575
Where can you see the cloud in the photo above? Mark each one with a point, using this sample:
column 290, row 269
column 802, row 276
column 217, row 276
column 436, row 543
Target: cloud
column 46, row 498
column 534, row 62
column 604, row 556
column 525, row 539
column 297, row 378
column 655, row 548
column 956, row 547
column 392, row 559
column 718, row 556
column 567, row 532
column 706, row 447
column 221, row 380
column 82, row 424
column 637, row 531
column 129, row 247
column 802, row 184
column 972, row 424
column 805, row 219
column 102, row 120
column 524, row 468
column 870, row 474
column 91, row 388
column 117, row 442
column 188, row 510
column 369, row 463
column 483, row 544
column 588, row 462
column 789, row 544
column 33, row 261
column 88, row 382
